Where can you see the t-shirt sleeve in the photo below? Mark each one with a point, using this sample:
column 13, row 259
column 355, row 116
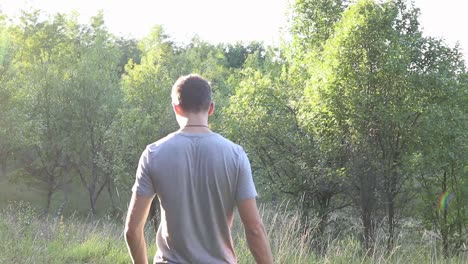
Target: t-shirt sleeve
column 143, row 184
column 245, row 184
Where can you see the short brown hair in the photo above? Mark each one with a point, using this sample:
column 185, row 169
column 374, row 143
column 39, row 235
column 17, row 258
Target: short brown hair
column 192, row 92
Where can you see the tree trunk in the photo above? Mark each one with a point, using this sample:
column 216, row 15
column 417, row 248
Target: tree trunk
column 50, row 192
column 367, row 186
column 391, row 224
column 323, row 200
column 444, row 225
column 111, row 196
column 391, row 211
column 3, row 167
column 368, row 230
column 93, row 206
column 92, row 200
column 444, row 233
column 391, row 192
column 94, row 195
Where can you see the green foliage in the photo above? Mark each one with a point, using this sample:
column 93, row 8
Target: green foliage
column 237, row 54
column 95, row 89
column 40, row 66
column 264, row 117
column 313, row 20
column 11, row 119
column 369, row 89
column 443, row 171
column 67, row 87
column 357, row 109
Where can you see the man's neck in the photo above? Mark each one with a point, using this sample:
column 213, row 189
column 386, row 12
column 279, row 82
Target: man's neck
column 194, row 124
column 195, row 130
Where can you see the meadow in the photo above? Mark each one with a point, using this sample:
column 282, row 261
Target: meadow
column 358, row 118
column 26, row 237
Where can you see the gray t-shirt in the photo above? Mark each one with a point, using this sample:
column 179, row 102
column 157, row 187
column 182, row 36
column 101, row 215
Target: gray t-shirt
column 198, row 178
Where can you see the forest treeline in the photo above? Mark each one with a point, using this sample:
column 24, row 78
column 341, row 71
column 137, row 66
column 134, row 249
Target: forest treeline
column 357, row 114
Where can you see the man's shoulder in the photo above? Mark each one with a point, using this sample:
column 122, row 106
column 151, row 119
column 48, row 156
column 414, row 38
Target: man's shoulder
column 157, row 144
column 225, row 142
column 173, row 139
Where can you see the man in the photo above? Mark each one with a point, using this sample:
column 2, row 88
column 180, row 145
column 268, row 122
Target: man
column 199, row 178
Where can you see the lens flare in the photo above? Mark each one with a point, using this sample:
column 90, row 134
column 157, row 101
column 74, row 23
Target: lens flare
column 444, row 199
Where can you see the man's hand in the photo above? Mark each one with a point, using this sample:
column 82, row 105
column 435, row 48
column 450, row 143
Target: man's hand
column 255, row 231
column 134, row 227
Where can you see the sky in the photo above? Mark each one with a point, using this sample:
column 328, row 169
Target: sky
column 228, row 20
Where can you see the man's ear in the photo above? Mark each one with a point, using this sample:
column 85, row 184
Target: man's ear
column 211, row 108
column 177, row 109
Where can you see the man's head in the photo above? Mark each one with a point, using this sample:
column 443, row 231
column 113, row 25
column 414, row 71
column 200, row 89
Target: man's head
column 192, row 93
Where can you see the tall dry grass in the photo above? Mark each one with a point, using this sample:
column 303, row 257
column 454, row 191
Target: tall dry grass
column 26, row 237
column 292, row 243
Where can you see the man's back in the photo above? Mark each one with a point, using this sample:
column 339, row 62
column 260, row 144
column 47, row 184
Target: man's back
column 198, row 178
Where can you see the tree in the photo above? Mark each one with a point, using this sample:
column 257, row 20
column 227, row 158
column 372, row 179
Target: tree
column 366, row 95
column 146, row 113
column 440, row 158
column 10, row 120
column 236, row 54
column 264, row 116
column 94, row 87
column 40, row 79
column 130, row 52
column 313, row 21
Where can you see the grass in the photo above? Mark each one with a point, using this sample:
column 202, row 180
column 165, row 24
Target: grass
column 292, row 244
column 25, row 237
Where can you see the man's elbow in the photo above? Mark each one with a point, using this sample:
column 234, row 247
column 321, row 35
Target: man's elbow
column 131, row 233
column 255, row 229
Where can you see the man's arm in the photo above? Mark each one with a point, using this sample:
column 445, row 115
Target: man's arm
column 134, row 227
column 255, row 231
